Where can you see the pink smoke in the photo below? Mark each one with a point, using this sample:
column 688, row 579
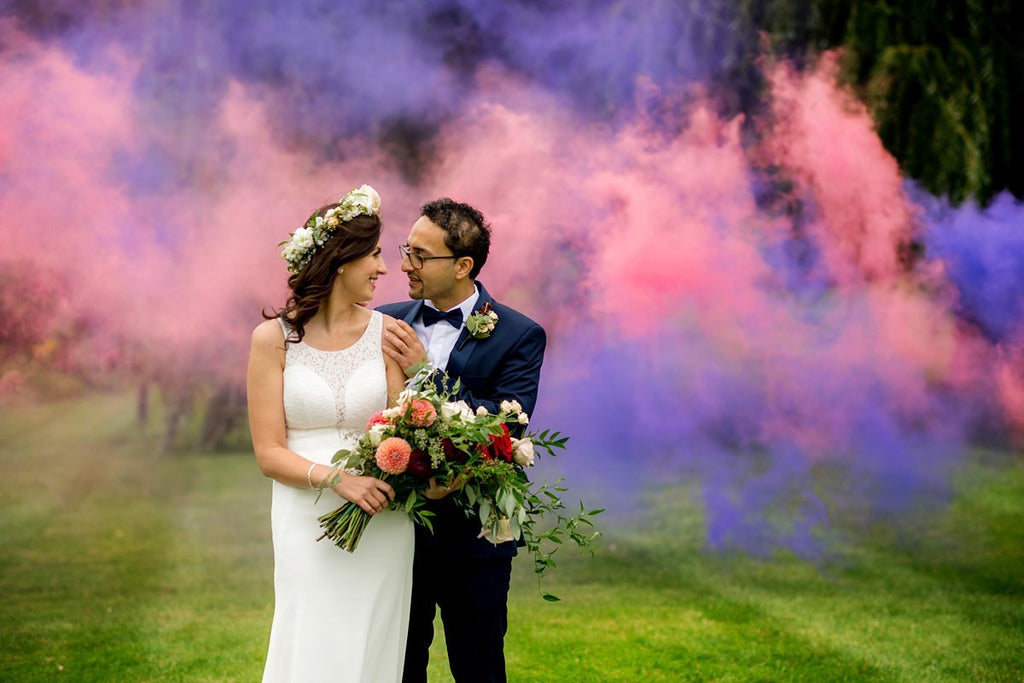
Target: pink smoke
column 664, row 281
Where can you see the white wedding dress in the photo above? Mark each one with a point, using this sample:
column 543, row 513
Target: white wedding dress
column 338, row 616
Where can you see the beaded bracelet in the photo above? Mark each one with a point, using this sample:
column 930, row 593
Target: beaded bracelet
column 309, row 476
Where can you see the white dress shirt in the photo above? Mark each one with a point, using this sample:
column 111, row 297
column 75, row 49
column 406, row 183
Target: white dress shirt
column 439, row 339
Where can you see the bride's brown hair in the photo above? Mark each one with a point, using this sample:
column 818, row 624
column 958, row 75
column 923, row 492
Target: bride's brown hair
column 351, row 240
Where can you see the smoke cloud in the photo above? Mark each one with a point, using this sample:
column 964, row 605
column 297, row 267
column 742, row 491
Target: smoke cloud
column 753, row 303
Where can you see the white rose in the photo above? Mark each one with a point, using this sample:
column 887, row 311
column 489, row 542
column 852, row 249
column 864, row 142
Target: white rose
column 376, row 435
column 302, row 238
column 362, row 200
column 506, row 407
column 465, row 411
column 372, row 196
column 523, row 419
column 392, row 412
column 523, row 452
column 481, row 411
column 448, row 411
column 457, row 409
column 516, row 407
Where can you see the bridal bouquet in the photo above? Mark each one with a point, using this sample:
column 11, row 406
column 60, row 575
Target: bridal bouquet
column 427, row 435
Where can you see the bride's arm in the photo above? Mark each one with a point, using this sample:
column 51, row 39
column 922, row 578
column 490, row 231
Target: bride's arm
column 265, row 393
column 396, row 377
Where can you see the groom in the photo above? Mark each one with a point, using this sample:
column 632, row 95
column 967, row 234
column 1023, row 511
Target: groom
column 454, row 568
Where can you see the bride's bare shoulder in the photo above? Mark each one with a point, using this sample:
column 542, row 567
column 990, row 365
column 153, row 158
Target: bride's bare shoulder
column 268, row 332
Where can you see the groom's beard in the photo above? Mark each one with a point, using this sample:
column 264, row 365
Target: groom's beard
column 415, row 288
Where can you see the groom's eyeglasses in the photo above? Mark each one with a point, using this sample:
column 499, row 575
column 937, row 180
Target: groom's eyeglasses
column 417, row 260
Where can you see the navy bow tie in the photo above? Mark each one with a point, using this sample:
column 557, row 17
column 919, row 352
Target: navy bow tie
column 452, row 317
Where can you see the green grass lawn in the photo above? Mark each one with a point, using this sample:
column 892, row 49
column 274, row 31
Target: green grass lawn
column 121, row 565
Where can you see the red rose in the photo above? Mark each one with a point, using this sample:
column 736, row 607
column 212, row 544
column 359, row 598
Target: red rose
column 452, row 453
column 501, row 446
column 419, row 465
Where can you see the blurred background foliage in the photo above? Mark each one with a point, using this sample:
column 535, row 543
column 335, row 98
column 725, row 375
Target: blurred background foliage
column 939, row 77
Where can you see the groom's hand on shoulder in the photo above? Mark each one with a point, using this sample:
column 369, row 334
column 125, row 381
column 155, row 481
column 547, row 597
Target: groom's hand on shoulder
column 402, row 344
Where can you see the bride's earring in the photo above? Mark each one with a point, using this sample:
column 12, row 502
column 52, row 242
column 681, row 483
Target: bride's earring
column 341, row 270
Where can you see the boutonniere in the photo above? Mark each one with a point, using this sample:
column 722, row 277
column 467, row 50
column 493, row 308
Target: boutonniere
column 482, row 323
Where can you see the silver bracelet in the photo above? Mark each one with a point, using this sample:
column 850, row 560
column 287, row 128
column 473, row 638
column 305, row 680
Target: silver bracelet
column 309, row 476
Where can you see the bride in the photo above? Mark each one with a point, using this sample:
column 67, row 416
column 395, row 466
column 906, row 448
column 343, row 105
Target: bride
column 316, row 374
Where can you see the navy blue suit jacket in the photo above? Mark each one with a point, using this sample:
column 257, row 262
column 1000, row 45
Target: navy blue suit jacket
column 503, row 367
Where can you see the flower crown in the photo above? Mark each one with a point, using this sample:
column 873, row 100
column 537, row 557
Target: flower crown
column 303, row 243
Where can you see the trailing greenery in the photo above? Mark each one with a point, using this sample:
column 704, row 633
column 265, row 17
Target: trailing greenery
column 123, row 565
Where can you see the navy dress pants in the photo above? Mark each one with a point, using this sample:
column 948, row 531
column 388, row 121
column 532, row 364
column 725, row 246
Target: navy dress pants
column 472, row 594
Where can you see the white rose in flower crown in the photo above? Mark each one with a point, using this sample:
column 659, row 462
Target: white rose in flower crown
column 361, row 201
column 372, row 195
column 522, row 452
column 301, row 238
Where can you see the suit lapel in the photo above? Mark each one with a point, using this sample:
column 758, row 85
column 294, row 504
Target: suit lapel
column 466, row 344
column 413, row 311
column 461, row 353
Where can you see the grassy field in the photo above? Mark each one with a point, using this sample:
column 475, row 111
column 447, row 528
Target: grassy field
column 120, row 565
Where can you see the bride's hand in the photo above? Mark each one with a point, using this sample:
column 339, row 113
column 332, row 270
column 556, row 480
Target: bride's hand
column 369, row 493
column 402, row 344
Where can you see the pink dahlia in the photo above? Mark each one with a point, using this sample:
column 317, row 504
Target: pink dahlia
column 377, row 419
column 421, row 413
column 393, row 455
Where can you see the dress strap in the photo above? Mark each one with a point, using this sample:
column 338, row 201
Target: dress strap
column 288, row 330
column 376, row 324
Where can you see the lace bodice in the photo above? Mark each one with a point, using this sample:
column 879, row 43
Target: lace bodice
column 334, row 391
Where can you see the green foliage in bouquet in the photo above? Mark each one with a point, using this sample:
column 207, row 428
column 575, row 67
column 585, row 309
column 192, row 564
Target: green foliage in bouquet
column 429, row 436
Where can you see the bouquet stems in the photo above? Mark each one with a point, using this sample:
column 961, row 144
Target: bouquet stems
column 345, row 525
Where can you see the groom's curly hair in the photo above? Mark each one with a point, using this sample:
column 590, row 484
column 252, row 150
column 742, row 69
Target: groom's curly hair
column 466, row 232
